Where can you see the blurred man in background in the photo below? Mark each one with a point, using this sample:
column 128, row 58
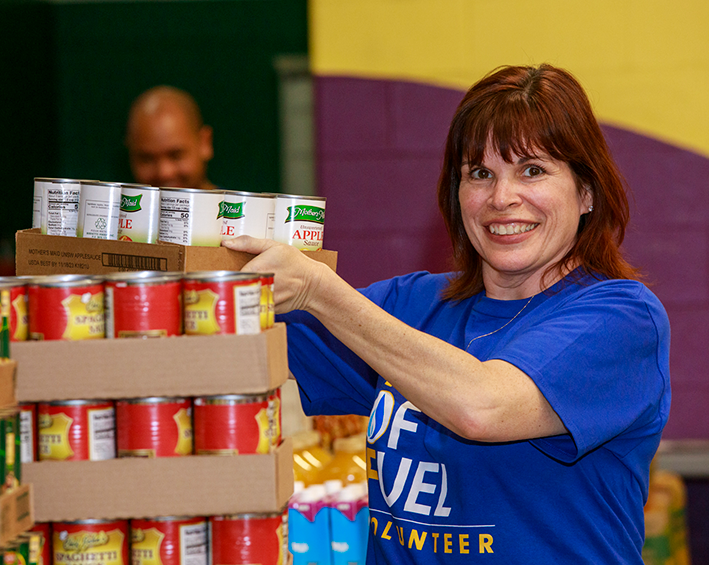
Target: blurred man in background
column 168, row 143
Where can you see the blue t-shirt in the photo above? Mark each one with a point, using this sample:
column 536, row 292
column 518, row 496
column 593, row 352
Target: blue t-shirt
column 599, row 352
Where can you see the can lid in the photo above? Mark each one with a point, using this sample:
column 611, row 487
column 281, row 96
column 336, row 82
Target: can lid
column 102, row 183
column 301, row 196
column 144, row 277
column 57, row 180
column 197, row 190
column 65, row 280
column 138, row 185
column 77, row 402
column 216, row 276
column 229, row 399
column 7, row 282
column 153, row 400
column 267, row 195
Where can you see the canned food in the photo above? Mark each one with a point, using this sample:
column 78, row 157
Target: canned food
column 60, row 205
column 28, row 431
column 143, row 304
column 248, row 538
column 10, row 449
column 77, row 430
column 222, row 302
column 139, row 216
column 154, row 427
column 300, row 221
column 247, row 213
column 169, row 541
column 90, row 541
column 17, row 286
column 43, row 531
column 190, row 216
column 275, row 413
column 99, row 207
column 29, row 548
column 267, row 309
column 68, row 307
column 234, row 423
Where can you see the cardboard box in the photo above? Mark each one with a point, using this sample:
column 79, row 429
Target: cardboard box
column 171, row 366
column 8, row 371
column 38, row 254
column 197, row 485
column 16, row 514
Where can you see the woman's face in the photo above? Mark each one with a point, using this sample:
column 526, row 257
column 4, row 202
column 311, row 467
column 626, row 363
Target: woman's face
column 521, row 217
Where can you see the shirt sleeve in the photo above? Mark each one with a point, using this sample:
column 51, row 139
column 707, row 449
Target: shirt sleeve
column 602, row 362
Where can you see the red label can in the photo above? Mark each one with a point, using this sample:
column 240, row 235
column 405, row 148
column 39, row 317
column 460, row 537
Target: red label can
column 275, row 412
column 248, row 538
column 77, row 430
column 268, row 306
column 169, row 541
column 154, row 427
column 222, row 302
column 143, row 304
column 233, row 423
column 29, row 446
column 44, row 529
column 102, row 542
column 17, row 287
column 68, row 307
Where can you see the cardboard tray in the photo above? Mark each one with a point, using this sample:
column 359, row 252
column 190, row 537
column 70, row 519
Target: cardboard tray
column 132, row 368
column 8, row 372
column 197, row 485
column 38, row 254
column 15, row 513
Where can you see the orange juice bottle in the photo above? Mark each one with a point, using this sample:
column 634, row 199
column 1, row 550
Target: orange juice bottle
column 348, row 465
column 309, row 457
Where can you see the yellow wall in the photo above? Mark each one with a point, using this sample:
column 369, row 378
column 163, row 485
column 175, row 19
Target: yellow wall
column 644, row 63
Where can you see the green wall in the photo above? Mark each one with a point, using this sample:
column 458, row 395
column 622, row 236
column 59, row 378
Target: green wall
column 74, row 68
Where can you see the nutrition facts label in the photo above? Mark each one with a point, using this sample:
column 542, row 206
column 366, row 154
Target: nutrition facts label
column 175, row 219
column 247, row 309
column 193, row 544
column 62, row 211
column 102, row 434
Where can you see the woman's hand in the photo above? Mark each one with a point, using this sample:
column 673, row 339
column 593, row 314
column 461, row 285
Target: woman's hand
column 296, row 277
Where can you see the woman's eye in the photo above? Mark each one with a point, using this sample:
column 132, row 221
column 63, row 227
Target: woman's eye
column 481, row 174
column 533, row 171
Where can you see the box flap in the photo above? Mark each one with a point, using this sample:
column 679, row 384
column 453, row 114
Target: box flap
column 171, row 366
column 8, row 371
column 15, row 513
column 197, row 485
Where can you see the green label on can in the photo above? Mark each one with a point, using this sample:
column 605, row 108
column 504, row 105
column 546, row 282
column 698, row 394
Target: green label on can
column 131, row 203
column 230, row 210
column 306, row 214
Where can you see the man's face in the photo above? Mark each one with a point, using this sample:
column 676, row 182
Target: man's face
column 165, row 150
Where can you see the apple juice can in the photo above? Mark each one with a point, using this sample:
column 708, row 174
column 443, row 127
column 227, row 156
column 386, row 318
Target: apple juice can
column 190, row 216
column 143, row 304
column 68, row 307
column 241, row 539
column 77, row 430
column 99, row 208
column 247, row 213
column 103, row 542
column 234, row 423
column 154, row 427
column 300, row 221
column 17, row 286
column 60, row 205
column 222, row 302
column 139, row 215
column 179, row 540
column 29, row 445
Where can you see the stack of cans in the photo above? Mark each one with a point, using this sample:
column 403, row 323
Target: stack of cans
column 187, row 216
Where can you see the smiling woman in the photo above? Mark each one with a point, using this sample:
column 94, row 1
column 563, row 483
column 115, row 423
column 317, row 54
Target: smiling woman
column 515, row 404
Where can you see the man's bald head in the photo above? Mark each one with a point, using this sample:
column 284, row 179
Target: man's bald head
column 168, row 144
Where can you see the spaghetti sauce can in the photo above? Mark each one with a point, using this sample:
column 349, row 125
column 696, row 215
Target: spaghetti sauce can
column 77, row 430
column 248, row 538
column 43, row 531
column 17, row 287
column 222, row 302
column 29, row 443
column 268, row 306
column 143, row 304
column 154, row 427
column 66, row 307
column 169, row 541
column 234, row 423
column 103, row 542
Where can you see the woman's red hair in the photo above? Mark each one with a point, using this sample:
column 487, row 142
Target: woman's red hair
column 525, row 111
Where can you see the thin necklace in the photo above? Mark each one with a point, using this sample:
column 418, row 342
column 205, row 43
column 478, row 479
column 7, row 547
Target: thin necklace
column 502, row 327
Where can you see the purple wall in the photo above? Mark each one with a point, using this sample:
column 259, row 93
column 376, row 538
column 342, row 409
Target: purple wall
column 379, row 151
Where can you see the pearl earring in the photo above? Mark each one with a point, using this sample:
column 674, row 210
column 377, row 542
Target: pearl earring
column 590, row 208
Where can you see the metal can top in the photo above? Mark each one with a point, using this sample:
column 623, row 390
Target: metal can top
column 197, row 190
column 77, row 402
column 250, row 194
column 250, row 516
column 301, row 197
column 65, row 281
column 230, row 399
column 169, row 519
column 219, row 276
column 154, row 400
column 8, row 282
column 138, row 185
column 101, row 183
column 91, row 521
column 57, row 180
column 143, row 277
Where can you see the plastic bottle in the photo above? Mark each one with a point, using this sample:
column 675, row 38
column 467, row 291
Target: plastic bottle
column 309, row 458
column 348, row 464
